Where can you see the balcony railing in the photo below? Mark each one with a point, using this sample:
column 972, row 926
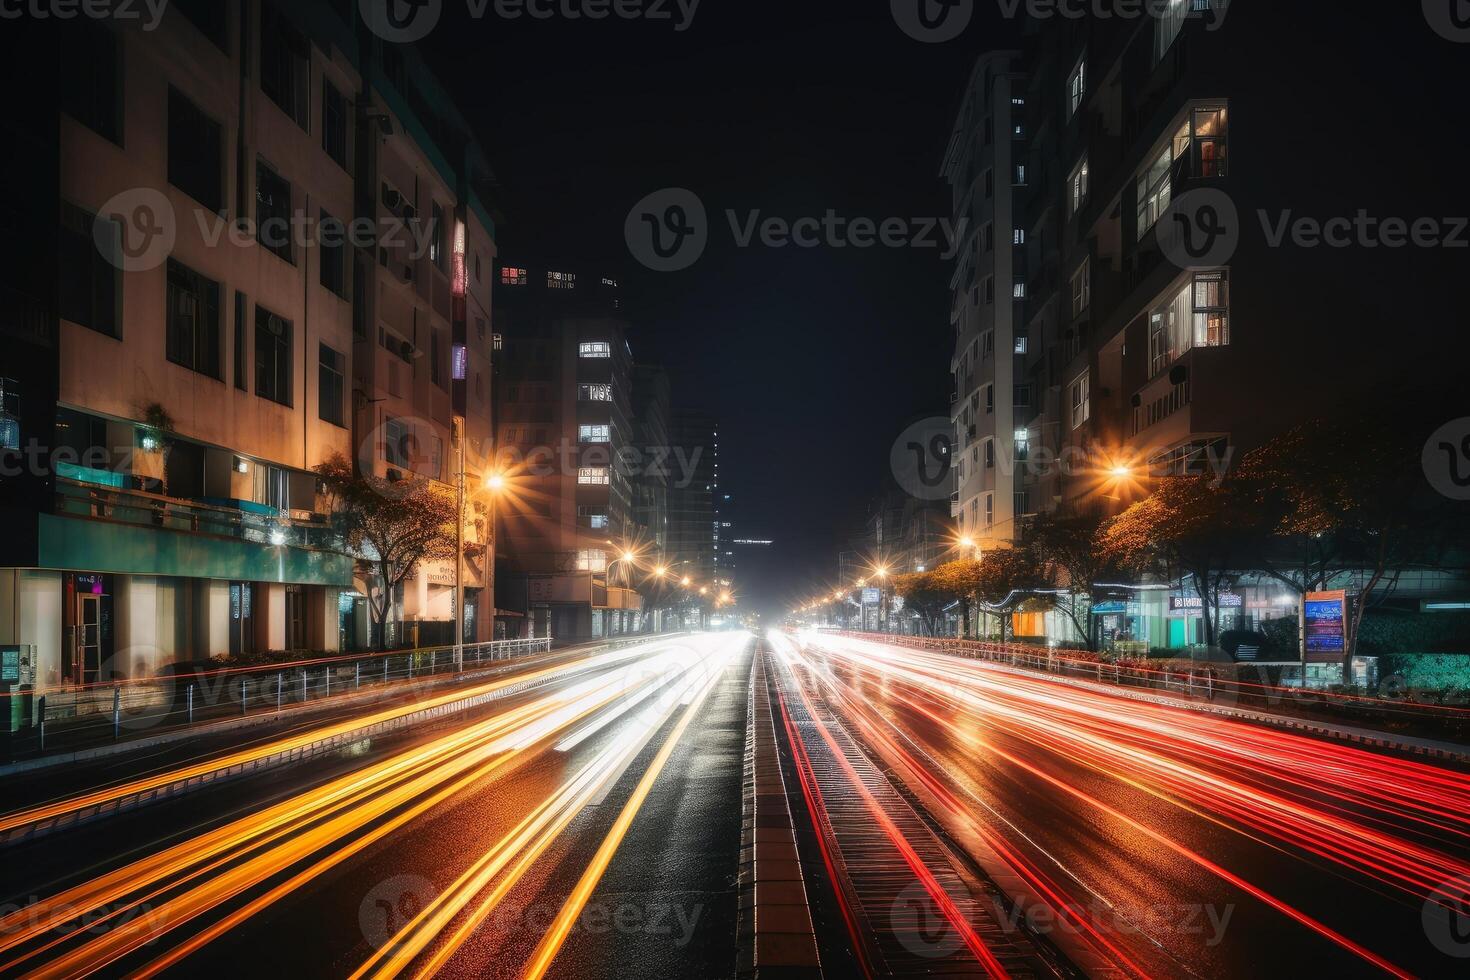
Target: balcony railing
column 77, row 499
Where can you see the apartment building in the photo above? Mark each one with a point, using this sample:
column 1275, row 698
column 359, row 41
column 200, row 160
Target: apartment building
column 991, row 404
column 564, row 420
column 693, row 525
column 172, row 381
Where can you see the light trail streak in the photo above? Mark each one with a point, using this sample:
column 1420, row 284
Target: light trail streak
column 1354, row 809
column 59, row 808
column 189, row 879
column 529, row 840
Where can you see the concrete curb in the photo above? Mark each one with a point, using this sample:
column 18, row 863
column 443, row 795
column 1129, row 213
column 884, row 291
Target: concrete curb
column 775, row 933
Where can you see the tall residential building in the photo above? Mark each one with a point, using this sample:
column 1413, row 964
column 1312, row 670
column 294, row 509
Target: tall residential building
column 992, row 403
column 652, row 465
column 199, row 349
column 565, row 425
column 693, row 527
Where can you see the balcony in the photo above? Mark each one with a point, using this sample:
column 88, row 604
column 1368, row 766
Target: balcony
column 113, row 529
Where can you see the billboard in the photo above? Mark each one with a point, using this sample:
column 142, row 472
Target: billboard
column 1324, row 626
column 871, row 597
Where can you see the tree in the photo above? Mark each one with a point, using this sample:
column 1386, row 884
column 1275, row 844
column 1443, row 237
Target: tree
column 960, row 578
column 1191, row 525
column 926, row 594
column 1348, row 493
column 1006, row 574
column 1066, row 544
column 392, row 528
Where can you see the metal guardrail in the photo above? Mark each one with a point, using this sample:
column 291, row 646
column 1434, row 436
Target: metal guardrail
column 78, row 717
column 1203, row 681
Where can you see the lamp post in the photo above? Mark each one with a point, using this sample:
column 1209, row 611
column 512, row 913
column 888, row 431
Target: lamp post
column 494, row 484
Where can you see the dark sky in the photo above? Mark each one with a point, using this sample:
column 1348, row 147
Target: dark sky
column 815, row 359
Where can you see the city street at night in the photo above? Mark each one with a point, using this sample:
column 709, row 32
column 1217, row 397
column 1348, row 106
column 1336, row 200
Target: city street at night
column 734, row 489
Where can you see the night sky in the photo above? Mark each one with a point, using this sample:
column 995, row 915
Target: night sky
column 815, row 359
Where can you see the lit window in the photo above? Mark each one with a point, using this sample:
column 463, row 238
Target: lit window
column 1018, row 290
column 989, row 510
column 594, row 433
column 1077, row 195
column 1023, row 445
column 594, row 393
column 598, row 522
column 1076, row 87
column 1016, row 100
column 9, row 414
column 1020, row 172
column 595, row 476
column 600, row 348
column 591, row 560
column 1018, row 237
column 1198, row 315
column 1081, row 396
column 1170, row 21
column 511, row 276
column 561, row 280
column 1082, row 287
column 1021, row 342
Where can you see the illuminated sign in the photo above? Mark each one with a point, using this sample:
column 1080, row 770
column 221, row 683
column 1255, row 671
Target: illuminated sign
column 461, row 360
column 1185, row 603
column 871, row 597
column 1324, row 636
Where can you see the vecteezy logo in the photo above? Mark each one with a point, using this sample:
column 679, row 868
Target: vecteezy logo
column 1449, row 18
column 932, row 21
column 1200, row 229
column 668, row 230
column 1447, row 459
column 921, row 926
column 136, row 230
column 391, row 905
column 921, row 459
column 1446, row 918
column 401, row 21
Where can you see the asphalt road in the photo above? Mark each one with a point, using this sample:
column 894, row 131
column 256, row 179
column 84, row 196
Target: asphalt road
column 454, row 849
column 1196, row 846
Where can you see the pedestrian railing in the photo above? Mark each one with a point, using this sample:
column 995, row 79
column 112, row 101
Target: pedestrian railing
column 69, row 718
column 1219, row 683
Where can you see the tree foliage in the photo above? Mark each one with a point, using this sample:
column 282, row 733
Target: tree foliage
column 1066, row 543
column 391, row 527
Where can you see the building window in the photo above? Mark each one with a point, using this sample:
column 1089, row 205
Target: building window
column 987, row 345
column 990, row 454
column 595, row 349
column 1023, row 445
column 1021, row 396
column 1198, row 315
column 1020, row 175
column 987, row 237
column 332, row 253
column 1154, row 189
column 561, row 280
column 989, row 290
column 273, row 211
column 335, row 122
column 285, row 56
column 9, row 414
column 1170, row 21
column 1082, row 287
column 1076, row 87
column 1077, row 184
column 989, row 510
column 594, row 393
column 592, row 476
column 194, row 148
column 594, row 433
column 436, row 358
column 989, row 184
column 436, row 236
column 331, row 385
column 1081, row 399
column 989, row 399
column 193, row 320
column 511, row 276
column 591, row 560
column 1018, row 289
column 1021, row 503
column 90, row 282
column 1022, row 342
column 241, row 355
column 1018, row 236
column 397, row 449
column 90, row 92
column 272, row 356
